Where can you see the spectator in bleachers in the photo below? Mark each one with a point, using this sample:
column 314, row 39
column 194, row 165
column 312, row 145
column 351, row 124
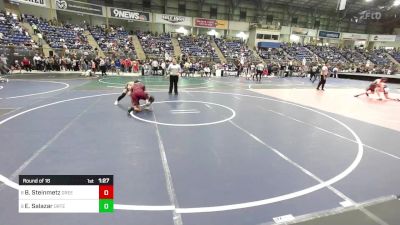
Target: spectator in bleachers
column 330, row 55
column 197, row 47
column 114, row 40
column 67, row 36
column 156, row 46
column 233, row 49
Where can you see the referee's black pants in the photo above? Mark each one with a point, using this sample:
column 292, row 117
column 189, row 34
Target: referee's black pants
column 322, row 82
column 173, row 83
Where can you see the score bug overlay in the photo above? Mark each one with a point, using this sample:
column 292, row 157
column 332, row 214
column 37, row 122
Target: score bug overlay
column 66, row 194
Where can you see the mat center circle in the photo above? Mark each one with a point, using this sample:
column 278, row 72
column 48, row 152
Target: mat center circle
column 182, row 113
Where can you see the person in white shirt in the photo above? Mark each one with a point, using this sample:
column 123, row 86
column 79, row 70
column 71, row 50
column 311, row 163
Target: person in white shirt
column 324, row 75
column 36, row 61
column 154, row 64
column 207, row 71
column 260, row 69
column 335, row 72
column 163, row 67
column 173, row 70
column 103, row 67
column 34, row 27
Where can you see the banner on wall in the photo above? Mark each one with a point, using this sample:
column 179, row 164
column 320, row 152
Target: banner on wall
column 129, row 14
column 79, row 7
column 219, row 24
column 328, row 34
column 377, row 37
column 304, row 32
column 300, row 31
column 40, row 3
column 354, row 36
column 171, row 19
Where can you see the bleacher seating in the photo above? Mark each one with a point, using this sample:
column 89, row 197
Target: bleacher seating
column 395, row 54
column 12, row 32
column 329, row 54
column 197, row 47
column 233, row 49
column 272, row 54
column 67, row 36
column 298, row 52
column 114, row 40
column 354, row 56
column 378, row 57
column 155, row 46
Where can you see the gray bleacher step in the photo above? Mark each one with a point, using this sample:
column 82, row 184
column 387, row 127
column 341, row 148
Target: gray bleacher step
column 138, row 47
column 92, row 42
column 46, row 47
column 393, row 60
column 177, row 48
column 218, row 51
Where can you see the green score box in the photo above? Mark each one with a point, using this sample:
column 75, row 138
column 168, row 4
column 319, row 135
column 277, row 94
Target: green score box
column 106, row 205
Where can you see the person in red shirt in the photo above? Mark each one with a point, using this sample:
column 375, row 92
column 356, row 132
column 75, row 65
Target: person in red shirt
column 123, row 62
column 138, row 92
column 128, row 65
column 26, row 64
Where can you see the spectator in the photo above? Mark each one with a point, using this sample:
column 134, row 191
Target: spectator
column 26, row 64
column 154, row 65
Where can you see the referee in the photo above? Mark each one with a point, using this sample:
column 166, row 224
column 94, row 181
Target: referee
column 324, row 75
column 174, row 69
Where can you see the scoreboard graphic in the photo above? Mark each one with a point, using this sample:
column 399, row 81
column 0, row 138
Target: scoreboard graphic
column 66, row 194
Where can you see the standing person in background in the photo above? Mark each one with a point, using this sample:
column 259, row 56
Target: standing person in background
column 207, row 71
column 154, row 65
column 290, row 68
column 93, row 66
column 335, row 72
column 260, row 69
column 282, row 69
column 163, row 67
column 135, row 66
column 103, row 68
column 128, row 65
column 117, row 65
column 174, row 69
column 36, row 62
column 123, row 62
column 313, row 73
column 83, row 65
column 324, row 75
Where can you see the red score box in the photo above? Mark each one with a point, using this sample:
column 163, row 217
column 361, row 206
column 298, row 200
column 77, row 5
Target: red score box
column 106, row 192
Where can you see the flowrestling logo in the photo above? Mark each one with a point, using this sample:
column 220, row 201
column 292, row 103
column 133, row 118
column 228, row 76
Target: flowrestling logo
column 130, row 15
column 61, row 4
column 370, row 15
